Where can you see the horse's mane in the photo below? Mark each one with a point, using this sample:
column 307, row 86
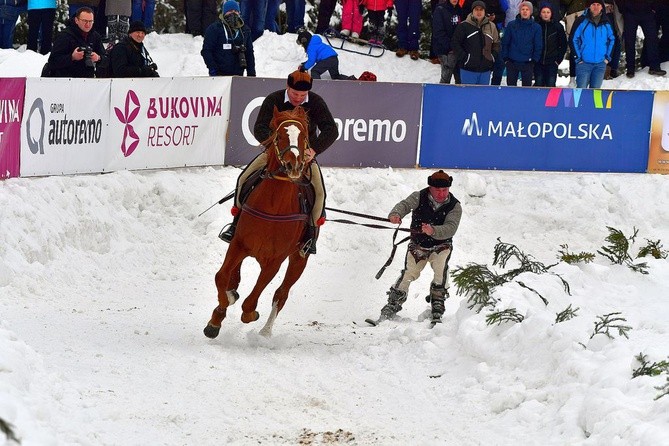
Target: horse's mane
column 297, row 114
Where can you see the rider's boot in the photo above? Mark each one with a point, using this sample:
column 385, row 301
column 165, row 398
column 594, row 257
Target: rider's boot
column 310, row 238
column 438, row 294
column 227, row 235
column 395, row 300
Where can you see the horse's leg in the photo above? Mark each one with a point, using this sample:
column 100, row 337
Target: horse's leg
column 267, row 272
column 229, row 274
column 296, row 265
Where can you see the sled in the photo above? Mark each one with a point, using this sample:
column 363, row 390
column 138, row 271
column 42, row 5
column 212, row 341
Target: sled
column 355, row 45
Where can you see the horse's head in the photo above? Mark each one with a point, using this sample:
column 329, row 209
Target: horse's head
column 289, row 141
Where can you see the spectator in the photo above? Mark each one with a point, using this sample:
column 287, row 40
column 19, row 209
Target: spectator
column 74, row 5
column 611, row 13
column 408, row 27
column 130, row 57
column 320, row 57
column 118, row 15
column 521, row 46
column 476, row 45
column 253, row 14
column 554, row 47
column 41, row 14
column 325, row 10
column 592, row 43
column 77, row 49
column 640, row 13
column 227, row 49
column 295, row 10
column 143, row 11
column 573, row 10
column 447, row 15
column 351, row 19
column 271, row 15
column 663, row 23
column 375, row 15
column 199, row 15
column 496, row 12
column 9, row 14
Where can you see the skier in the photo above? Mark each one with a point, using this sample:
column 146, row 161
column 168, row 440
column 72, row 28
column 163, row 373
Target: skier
column 435, row 217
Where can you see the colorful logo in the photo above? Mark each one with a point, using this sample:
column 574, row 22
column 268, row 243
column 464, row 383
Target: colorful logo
column 126, row 117
column 571, row 97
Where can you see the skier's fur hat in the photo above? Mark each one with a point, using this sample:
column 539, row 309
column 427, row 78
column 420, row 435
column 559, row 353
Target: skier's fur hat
column 300, row 80
column 440, row 179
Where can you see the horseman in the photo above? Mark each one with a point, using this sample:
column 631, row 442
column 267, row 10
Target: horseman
column 435, row 217
column 322, row 133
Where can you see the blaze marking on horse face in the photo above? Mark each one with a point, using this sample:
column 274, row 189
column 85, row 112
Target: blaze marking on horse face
column 293, row 134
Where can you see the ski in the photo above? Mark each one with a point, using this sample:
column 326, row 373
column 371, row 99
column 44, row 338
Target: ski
column 373, row 322
column 435, row 321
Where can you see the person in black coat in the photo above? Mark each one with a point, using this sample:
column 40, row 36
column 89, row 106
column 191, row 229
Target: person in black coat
column 227, row 49
column 77, row 49
column 130, row 57
column 447, row 15
column 554, row 48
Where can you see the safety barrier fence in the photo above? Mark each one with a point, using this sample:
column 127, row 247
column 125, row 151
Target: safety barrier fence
column 67, row 126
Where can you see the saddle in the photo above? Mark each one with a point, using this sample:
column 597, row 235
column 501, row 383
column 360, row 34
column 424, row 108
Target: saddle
column 306, row 196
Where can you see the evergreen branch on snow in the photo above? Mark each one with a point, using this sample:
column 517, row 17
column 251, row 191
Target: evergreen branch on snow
column 476, row 282
column 508, row 315
column 545, row 301
column 566, row 314
column 617, row 251
column 572, row 258
column 664, row 390
column 649, row 369
column 653, row 248
column 609, row 322
column 7, row 429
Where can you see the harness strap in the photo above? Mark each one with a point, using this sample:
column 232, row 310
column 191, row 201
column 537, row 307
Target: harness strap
column 392, row 253
column 270, row 217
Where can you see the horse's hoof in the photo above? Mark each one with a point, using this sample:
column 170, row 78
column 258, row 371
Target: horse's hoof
column 211, row 332
column 250, row 317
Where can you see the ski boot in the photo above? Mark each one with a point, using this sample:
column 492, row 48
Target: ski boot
column 395, row 300
column 438, row 294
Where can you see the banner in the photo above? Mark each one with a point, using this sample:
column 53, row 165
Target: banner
column 535, row 129
column 168, row 122
column 378, row 122
column 64, row 128
column 658, row 157
column 12, row 91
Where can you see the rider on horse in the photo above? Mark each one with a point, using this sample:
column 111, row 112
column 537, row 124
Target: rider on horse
column 322, row 133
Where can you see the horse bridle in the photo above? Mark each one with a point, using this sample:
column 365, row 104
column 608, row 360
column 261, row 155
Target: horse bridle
column 279, row 152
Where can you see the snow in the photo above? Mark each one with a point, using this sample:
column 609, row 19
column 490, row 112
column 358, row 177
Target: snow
column 106, row 283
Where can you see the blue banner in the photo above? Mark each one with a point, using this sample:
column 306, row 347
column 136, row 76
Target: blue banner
column 513, row 128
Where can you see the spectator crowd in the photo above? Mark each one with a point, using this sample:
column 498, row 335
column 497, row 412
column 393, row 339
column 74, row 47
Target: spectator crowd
column 475, row 41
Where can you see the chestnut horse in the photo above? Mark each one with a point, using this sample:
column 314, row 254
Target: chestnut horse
column 271, row 225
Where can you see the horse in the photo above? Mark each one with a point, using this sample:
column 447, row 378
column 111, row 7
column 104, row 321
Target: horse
column 271, row 225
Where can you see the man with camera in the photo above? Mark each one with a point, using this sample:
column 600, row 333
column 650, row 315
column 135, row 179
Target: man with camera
column 227, row 49
column 78, row 48
column 130, row 57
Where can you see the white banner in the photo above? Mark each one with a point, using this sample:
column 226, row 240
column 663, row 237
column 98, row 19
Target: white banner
column 64, row 128
column 168, row 122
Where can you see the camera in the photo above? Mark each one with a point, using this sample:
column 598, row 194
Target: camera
column 88, row 55
column 241, row 53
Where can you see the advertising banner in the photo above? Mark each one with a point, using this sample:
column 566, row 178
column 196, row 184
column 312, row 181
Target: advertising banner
column 64, row 128
column 658, row 157
column 12, row 91
column 554, row 129
column 378, row 122
column 167, row 122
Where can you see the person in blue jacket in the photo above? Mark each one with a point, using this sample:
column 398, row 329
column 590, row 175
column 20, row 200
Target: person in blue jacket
column 227, row 48
column 320, row 57
column 521, row 46
column 591, row 41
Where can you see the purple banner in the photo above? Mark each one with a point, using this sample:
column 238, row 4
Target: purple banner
column 12, row 92
column 374, row 129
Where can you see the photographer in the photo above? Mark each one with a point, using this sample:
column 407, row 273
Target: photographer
column 227, row 49
column 130, row 57
column 77, row 49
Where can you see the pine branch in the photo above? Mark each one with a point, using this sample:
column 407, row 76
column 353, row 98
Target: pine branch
column 653, row 248
column 608, row 322
column 476, row 282
column 7, row 429
column 572, row 258
column 566, row 314
column 509, row 315
column 664, row 390
column 533, row 290
column 648, row 369
column 618, row 250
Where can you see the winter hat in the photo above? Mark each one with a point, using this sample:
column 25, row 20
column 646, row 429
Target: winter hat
column 440, row 179
column 137, row 26
column 230, row 5
column 299, row 80
column 303, row 37
column 529, row 5
column 478, row 4
column 601, row 2
column 545, row 5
